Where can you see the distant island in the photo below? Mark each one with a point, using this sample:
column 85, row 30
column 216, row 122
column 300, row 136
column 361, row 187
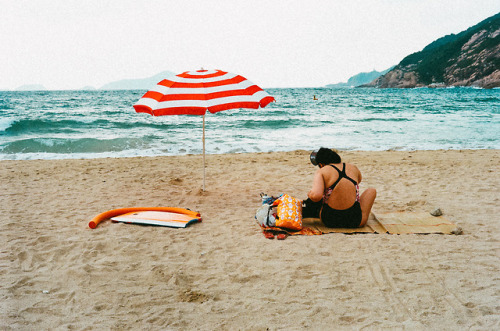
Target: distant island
column 360, row 79
column 470, row 58
column 137, row 84
column 124, row 84
column 87, row 88
column 31, row 87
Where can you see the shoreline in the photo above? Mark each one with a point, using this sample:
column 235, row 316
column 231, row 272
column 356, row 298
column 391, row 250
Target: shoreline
column 222, row 273
column 254, row 152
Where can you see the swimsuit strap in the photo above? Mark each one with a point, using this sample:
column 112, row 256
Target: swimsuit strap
column 338, row 179
column 342, row 174
column 347, row 177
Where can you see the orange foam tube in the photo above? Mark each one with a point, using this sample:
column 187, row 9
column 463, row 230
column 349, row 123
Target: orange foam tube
column 115, row 212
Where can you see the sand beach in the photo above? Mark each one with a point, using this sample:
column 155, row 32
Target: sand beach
column 223, row 274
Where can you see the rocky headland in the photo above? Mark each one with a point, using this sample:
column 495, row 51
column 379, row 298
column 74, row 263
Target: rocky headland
column 470, row 58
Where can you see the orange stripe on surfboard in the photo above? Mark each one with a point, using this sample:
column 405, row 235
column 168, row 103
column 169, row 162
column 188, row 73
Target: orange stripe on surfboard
column 120, row 211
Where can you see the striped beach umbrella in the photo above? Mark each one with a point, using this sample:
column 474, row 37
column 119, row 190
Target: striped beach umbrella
column 195, row 92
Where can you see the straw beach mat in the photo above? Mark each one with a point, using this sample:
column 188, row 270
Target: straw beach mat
column 393, row 223
column 423, row 223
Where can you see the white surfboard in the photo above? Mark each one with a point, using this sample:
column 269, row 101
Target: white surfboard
column 160, row 218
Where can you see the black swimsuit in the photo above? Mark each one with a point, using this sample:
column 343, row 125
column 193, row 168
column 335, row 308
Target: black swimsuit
column 345, row 218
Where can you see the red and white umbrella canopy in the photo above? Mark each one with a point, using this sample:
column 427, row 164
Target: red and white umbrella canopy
column 195, row 92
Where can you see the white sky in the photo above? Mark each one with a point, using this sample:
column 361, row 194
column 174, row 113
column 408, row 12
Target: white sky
column 69, row 44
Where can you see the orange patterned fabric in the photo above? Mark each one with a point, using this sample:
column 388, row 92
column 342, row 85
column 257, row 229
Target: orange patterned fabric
column 289, row 213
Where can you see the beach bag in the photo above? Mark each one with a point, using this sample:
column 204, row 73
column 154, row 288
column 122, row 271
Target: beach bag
column 289, row 213
column 265, row 217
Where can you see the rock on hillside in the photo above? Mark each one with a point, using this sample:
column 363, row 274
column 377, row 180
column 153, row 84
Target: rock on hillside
column 470, row 58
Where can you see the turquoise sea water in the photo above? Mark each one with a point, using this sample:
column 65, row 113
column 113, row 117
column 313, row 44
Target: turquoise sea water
column 93, row 124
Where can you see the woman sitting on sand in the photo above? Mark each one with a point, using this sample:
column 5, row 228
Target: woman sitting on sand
column 334, row 196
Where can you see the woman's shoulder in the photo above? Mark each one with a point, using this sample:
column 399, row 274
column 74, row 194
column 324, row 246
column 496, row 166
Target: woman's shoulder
column 352, row 165
column 352, row 169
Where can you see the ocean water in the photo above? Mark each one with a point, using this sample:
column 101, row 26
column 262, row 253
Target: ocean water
column 94, row 124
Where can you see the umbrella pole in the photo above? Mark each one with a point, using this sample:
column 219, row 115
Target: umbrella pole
column 203, row 152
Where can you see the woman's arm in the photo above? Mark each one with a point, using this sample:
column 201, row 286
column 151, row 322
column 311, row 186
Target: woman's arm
column 318, row 187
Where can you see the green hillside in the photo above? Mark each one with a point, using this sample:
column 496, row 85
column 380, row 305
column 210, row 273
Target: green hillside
column 469, row 58
column 433, row 60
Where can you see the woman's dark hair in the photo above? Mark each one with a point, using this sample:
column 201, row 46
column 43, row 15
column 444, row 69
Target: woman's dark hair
column 327, row 156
